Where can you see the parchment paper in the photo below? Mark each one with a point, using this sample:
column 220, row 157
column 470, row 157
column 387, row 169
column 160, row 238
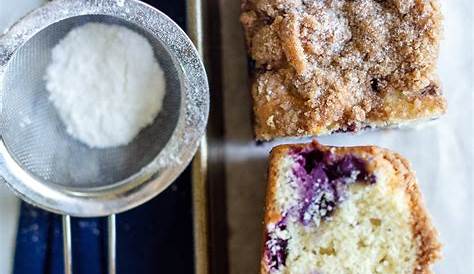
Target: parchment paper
column 440, row 152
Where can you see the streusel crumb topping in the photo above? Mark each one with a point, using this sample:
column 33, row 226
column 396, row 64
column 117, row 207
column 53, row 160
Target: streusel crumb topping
column 339, row 65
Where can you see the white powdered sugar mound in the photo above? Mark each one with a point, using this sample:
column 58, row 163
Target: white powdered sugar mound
column 105, row 84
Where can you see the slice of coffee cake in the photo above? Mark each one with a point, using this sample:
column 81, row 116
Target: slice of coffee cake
column 345, row 211
column 338, row 65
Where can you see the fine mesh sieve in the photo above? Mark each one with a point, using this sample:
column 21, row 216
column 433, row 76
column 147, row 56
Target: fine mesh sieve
column 36, row 138
column 50, row 169
column 46, row 166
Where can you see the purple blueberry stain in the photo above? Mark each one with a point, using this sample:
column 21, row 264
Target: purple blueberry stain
column 323, row 178
column 276, row 245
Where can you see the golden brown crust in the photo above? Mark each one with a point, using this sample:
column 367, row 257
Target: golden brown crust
column 342, row 65
column 272, row 214
column 428, row 246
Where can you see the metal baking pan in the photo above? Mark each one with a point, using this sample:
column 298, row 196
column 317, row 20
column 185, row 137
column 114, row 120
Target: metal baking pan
column 237, row 166
column 174, row 237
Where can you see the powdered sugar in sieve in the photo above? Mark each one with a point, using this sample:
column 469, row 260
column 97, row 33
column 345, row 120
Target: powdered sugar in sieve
column 105, row 83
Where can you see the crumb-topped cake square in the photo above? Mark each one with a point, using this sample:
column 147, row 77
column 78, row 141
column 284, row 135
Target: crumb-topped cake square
column 344, row 210
column 326, row 66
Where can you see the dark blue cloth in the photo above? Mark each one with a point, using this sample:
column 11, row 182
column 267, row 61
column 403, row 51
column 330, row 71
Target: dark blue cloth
column 156, row 237
column 153, row 238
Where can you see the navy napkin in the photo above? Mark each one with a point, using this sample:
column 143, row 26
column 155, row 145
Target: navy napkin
column 156, row 237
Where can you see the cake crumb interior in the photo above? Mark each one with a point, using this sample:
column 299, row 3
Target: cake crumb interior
column 370, row 232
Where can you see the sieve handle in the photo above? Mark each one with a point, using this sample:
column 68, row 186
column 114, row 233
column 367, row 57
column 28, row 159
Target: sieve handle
column 112, row 244
column 67, row 246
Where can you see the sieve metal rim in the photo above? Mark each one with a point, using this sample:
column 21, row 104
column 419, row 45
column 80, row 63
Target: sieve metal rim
column 173, row 158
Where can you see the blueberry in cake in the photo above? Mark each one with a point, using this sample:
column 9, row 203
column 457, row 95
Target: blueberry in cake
column 344, row 211
column 323, row 66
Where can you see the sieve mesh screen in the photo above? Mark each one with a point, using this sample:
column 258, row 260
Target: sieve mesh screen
column 35, row 136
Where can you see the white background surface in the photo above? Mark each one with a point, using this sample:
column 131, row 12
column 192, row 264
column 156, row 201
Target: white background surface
column 10, row 10
column 440, row 153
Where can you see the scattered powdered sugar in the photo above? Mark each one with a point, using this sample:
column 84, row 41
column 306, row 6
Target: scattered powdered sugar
column 105, row 84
